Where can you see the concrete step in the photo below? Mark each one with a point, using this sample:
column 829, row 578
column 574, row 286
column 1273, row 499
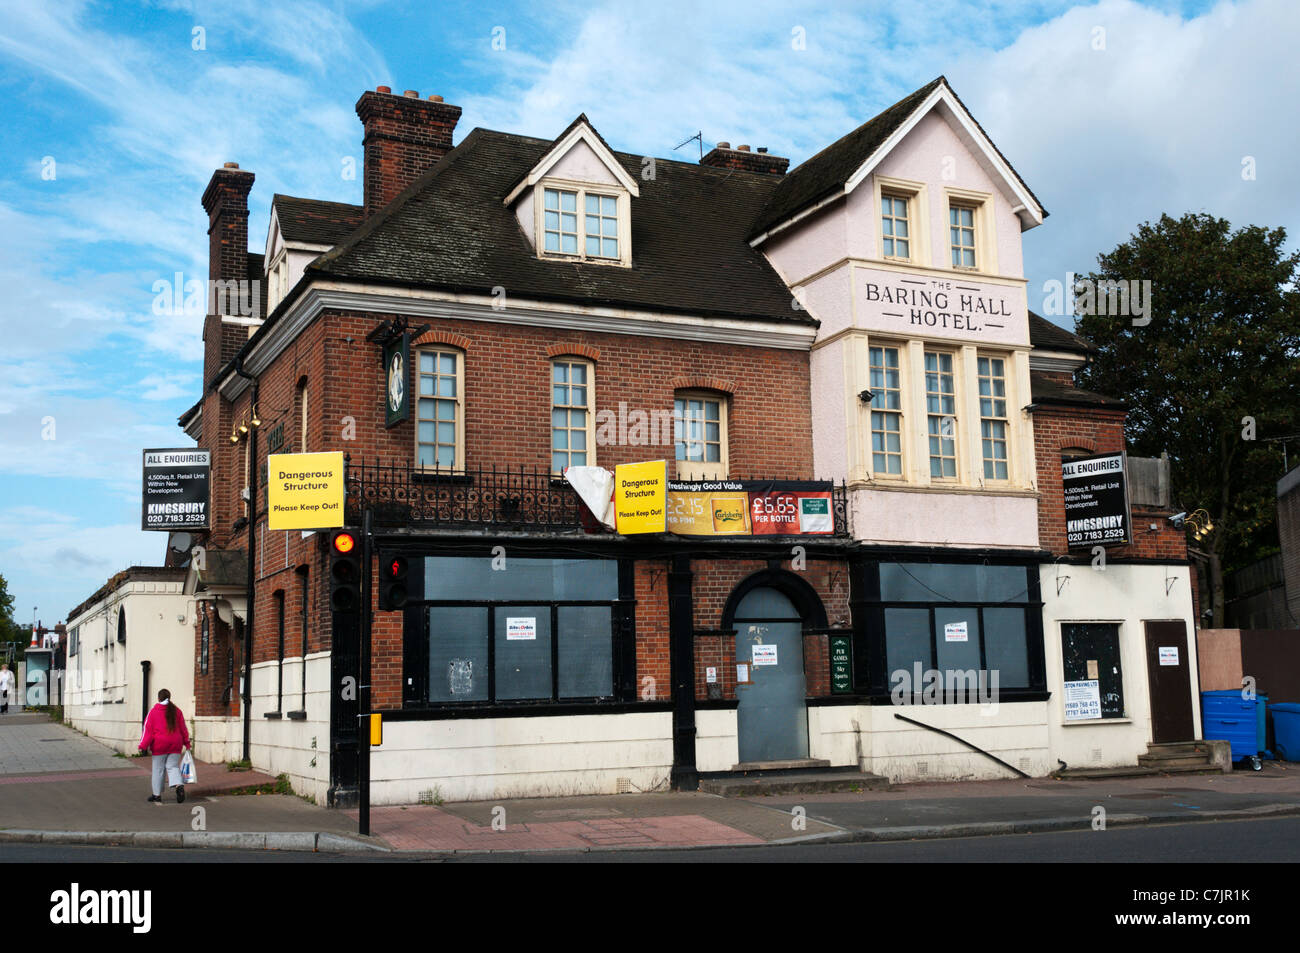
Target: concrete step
column 795, row 764
column 1167, row 763
column 1183, row 749
column 794, row 782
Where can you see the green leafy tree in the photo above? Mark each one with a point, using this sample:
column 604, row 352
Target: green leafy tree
column 1213, row 378
column 9, row 630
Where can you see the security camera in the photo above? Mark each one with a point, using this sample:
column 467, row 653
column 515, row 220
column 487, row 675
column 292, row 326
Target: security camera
column 1177, row 518
column 865, row 396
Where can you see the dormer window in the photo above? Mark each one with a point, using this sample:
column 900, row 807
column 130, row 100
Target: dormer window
column 581, row 223
column 575, row 203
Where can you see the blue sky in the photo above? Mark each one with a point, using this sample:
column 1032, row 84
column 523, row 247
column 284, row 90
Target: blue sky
column 132, row 119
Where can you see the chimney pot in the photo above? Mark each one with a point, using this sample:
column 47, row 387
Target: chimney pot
column 231, row 165
column 742, row 148
column 383, row 89
column 435, row 98
column 411, row 94
column 724, row 145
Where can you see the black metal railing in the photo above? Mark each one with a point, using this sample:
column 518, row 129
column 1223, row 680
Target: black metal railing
column 399, row 494
column 503, row 497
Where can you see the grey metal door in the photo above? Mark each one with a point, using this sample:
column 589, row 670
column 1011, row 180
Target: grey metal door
column 772, row 717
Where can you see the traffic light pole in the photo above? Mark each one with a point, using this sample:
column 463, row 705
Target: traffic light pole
column 363, row 694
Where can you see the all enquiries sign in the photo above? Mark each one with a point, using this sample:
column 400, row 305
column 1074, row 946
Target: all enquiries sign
column 176, row 486
column 1096, row 501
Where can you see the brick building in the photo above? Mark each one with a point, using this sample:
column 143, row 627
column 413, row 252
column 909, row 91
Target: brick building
column 506, row 307
column 669, row 329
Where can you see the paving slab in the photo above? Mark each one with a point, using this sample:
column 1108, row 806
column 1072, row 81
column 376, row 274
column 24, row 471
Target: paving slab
column 676, row 819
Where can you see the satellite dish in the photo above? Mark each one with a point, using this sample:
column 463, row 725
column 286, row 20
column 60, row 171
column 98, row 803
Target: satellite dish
column 181, row 542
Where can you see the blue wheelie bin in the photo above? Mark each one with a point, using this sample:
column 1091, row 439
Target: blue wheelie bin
column 1226, row 716
column 1286, row 729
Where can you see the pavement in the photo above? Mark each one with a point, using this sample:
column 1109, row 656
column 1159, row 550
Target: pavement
column 59, row 786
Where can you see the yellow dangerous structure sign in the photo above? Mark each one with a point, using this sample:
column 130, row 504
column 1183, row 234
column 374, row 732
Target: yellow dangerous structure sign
column 304, row 490
column 640, row 497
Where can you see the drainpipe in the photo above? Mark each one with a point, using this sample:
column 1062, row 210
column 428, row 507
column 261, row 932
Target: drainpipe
column 245, row 695
column 144, row 696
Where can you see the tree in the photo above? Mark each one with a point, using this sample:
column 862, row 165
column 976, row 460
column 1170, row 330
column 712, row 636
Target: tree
column 1212, row 376
column 9, row 630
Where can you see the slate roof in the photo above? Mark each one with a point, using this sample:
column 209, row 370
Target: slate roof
column 826, row 173
column 1047, row 390
column 450, row 230
column 1052, row 337
column 315, row 222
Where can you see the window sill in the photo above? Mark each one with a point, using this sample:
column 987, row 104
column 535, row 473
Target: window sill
column 579, row 260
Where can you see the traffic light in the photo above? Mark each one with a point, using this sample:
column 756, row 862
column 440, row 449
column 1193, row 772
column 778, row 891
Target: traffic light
column 345, row 571
column 392, row 581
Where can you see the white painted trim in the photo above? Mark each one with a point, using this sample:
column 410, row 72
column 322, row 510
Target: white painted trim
column 1055, row 361
column 1032, row 211
column 422, row 303
column 582, row 132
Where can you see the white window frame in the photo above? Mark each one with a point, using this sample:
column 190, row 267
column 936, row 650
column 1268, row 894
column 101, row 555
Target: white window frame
column 1007, row 391
column 572, row 361
column 701, row 469
column 901, row 350
column 908, row 206
column 918, row 218
column 458, row 461
column 622, row 209
column 955, row 437
column 985, row 237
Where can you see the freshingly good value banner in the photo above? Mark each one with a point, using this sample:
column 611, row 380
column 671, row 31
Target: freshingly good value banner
column 750, row 508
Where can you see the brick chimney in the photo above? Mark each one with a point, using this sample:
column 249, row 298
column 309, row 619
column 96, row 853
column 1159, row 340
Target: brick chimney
column 404, row 136
column 226, row 202
column 725, row 157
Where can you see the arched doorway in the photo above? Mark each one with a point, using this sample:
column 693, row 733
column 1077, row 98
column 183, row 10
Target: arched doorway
column 772, row 715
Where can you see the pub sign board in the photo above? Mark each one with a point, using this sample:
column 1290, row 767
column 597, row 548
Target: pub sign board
column 176, row 486
column 397, row 397
column 1096, row 501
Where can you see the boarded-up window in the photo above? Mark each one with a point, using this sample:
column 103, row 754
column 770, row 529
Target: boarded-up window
column 1090, row 650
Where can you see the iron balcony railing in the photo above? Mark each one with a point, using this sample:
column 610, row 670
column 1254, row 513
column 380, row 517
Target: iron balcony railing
column 517, row 498
column 401, row 494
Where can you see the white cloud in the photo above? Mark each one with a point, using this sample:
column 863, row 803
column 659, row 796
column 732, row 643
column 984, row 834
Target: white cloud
column 1158, row 121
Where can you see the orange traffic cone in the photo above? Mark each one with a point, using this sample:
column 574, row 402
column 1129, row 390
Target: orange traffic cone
column 33, row 645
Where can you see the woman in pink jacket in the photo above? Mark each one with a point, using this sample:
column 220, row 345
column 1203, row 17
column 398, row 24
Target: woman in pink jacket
column 165, row 736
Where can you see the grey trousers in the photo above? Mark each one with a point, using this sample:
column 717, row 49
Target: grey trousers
column 172, row 762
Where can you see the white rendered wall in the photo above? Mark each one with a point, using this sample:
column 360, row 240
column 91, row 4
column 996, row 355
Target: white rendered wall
column 476, row 759
column 1126, row 594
